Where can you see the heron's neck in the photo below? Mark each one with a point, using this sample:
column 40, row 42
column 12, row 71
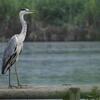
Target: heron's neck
column 24, row 28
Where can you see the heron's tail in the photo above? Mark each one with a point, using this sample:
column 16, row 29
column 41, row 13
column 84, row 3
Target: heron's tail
column 2, row 71
column 5, row 69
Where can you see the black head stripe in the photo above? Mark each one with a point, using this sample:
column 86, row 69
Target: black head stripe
column 23, row 9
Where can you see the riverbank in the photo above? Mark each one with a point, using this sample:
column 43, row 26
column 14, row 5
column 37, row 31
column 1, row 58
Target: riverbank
column 54, row 20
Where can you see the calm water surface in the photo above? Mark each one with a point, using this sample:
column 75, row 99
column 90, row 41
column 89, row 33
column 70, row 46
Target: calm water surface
column 57, row 63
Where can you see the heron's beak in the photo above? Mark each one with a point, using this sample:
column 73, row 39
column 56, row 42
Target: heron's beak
column 30, row 12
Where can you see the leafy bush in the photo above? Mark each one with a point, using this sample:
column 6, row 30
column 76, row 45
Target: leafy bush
column 81, row 13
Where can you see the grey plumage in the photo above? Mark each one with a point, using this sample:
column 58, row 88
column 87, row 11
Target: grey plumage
column 14, row 46
column 11, row 53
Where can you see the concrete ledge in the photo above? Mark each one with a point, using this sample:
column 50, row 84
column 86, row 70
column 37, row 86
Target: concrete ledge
column 49, row 92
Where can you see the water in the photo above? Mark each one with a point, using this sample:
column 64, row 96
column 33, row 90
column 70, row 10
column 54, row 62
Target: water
column 57, row 63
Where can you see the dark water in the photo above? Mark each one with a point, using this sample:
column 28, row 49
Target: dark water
column 57, row 63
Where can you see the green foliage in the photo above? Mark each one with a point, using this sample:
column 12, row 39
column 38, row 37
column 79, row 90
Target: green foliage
column 59, row 11
column 54, row 12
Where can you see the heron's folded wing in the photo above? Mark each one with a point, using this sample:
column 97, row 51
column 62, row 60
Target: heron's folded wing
column 10, row 50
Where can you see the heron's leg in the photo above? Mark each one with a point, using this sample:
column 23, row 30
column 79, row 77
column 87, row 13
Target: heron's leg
column 9, row 79
column 18, row 81
column 10, row 86
column 17, row 76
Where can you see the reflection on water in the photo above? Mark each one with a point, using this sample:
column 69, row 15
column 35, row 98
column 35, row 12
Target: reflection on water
column 57, row 63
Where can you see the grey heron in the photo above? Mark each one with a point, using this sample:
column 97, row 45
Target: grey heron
column 14, row 47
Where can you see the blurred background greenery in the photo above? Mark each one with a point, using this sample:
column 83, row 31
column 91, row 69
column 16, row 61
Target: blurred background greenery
column 55, row 20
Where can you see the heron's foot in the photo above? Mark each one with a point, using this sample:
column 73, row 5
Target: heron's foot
column 67, row 84
column 12, row 86
column 22, row 86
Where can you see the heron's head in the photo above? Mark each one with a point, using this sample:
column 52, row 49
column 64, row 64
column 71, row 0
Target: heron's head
column 25, row 11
